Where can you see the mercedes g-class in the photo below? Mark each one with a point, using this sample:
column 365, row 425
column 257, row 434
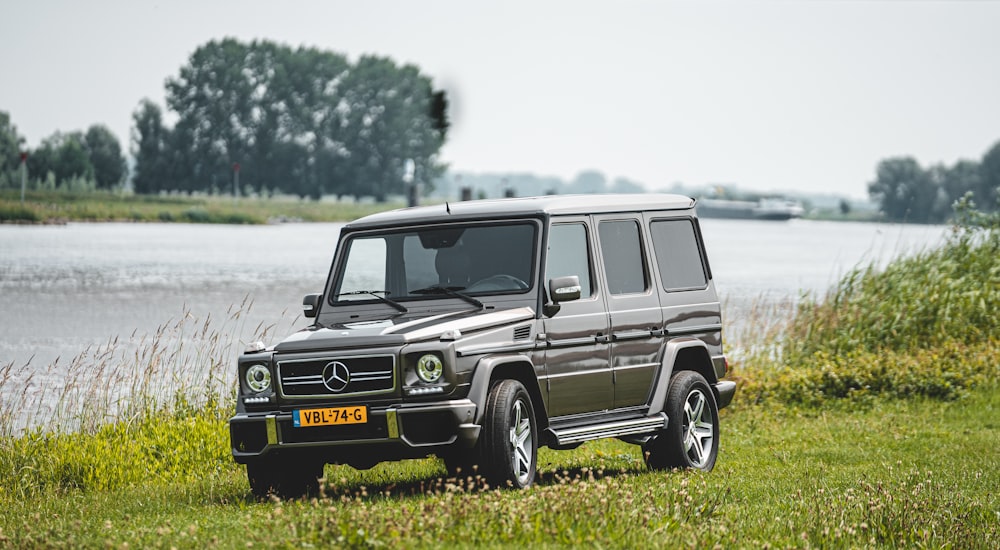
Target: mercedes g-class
column 479, row 331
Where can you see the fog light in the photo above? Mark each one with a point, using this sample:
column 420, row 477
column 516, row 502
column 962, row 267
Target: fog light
column 430, row 368
column 424, row 391
column 258, row 378
column 256, row 400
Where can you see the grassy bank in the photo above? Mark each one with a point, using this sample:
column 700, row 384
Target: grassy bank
column 869, row 418
column 97, row 206
column 899, row 473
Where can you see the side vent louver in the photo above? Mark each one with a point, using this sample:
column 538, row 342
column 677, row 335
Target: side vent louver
column 522, row 333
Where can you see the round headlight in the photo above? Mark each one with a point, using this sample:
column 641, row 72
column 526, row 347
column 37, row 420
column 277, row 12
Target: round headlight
column 258, row 378
column 430, row 368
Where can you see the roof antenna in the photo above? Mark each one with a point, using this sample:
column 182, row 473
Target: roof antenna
column 447, row 207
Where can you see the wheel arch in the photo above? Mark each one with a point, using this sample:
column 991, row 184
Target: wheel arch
column 492, row 368
column 682, row 354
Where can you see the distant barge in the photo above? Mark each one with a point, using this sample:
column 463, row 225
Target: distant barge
column 764, row 209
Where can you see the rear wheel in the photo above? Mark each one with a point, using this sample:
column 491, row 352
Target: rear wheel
column 691, row 438
column 283, row 478
column 509, row 442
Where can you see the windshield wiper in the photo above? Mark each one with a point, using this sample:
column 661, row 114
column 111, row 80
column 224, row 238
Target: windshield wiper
column 450, row 291
column 376, row 293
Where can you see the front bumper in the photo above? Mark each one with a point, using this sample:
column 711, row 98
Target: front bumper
column 407, row 426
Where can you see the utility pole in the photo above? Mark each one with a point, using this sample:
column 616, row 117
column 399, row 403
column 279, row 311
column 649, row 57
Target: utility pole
column 24, row 173
column 236, row 180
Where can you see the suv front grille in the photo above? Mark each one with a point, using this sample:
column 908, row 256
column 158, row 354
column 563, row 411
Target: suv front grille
column 337, row 376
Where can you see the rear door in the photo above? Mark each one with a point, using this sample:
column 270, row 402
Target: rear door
column 633, row 306
column 684, row 280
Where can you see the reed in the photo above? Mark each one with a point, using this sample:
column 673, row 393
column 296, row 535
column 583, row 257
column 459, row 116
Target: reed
column 135, row 409
column 924, row 325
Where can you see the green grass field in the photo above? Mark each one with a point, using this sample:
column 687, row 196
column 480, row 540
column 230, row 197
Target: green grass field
column 900, row 473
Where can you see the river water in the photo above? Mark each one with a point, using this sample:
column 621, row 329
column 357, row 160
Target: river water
column 68, row 290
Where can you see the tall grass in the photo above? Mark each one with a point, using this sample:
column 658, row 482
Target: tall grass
column 925, row 325
column 126, row 378
column 134, row 410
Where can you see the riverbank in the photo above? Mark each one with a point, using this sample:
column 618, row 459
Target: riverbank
column 59, row 207
column 865, row 419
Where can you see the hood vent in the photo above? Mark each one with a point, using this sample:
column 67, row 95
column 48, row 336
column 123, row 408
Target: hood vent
column 522, row 333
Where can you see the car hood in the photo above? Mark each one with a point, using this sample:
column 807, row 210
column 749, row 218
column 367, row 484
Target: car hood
column 389, row 332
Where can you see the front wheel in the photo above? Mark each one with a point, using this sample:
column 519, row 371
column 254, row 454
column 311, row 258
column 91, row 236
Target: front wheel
column 691, row 438
column 509, row 443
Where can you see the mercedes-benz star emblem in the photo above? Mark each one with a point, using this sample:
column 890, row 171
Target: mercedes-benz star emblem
column 336, row 376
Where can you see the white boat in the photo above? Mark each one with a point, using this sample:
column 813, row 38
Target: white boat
column 763, row 209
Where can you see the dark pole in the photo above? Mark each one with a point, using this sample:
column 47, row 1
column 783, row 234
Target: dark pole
column 236, row 180
column 24, row 173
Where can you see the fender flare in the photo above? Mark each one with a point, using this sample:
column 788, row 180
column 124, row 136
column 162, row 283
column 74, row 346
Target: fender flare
column 671, row 352
column 483, row 375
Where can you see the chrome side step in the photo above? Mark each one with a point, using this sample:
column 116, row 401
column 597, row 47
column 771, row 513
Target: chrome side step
column 579, row 434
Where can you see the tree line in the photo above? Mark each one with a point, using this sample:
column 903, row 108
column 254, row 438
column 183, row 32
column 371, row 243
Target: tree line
column 299, row 121
column 80, row 160
column 274, row 119
column 908, row 192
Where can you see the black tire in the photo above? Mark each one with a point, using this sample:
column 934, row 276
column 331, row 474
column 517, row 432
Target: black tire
column 509, row 440
column 283, row 479
column 691, row 438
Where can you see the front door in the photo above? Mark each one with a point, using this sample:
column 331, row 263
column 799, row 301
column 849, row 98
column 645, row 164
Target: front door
column 576, row 367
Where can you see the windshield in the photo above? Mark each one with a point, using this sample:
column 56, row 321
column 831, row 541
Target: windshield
column 439, row 261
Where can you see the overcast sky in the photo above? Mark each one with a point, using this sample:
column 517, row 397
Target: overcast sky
column 767, row 95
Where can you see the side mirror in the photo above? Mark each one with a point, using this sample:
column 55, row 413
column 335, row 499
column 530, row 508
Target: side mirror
column 310, row 304
column 564, row 289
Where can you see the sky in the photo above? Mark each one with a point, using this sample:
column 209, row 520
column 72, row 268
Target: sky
column 804, row 96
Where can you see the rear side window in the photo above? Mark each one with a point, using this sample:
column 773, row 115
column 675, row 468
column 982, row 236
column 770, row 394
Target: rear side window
column 623, row 261
column 677, row 254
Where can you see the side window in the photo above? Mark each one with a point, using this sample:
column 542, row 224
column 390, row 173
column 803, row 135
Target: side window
column 677, row 255
column 568, row 254
column 623, row 261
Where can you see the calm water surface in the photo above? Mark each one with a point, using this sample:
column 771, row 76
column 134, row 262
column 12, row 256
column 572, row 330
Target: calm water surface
column 64, row 288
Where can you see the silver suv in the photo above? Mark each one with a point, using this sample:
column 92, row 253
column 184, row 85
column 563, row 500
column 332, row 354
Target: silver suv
column 479, row 331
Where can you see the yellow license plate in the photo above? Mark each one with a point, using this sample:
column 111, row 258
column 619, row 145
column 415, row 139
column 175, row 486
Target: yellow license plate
column 334, row 416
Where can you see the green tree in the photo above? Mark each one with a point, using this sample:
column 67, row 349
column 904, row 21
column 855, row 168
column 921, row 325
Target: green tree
column 65, row 156
column 301, row 121
column 106, row 157
column 964, row 176
column 986, row 193
column 904, row 190
column 388, row 123
column 311, row 84
column 150, row 149
column 11, row 144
